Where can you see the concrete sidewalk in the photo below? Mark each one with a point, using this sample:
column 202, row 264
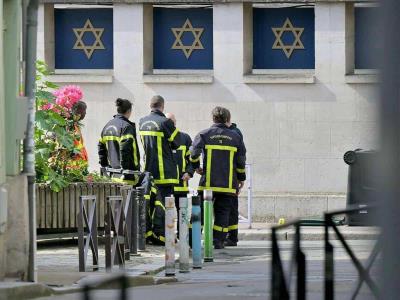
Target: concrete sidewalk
column 262, row 232
column 57, row 265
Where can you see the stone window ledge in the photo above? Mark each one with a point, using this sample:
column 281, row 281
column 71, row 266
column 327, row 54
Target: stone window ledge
column 82, row 76
column 362, row 78
column 178, row 78
column 279, row 78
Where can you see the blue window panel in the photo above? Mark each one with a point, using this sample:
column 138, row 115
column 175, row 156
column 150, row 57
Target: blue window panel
column 264, row 38
column 368, row 38
column 192, row 53
column 95, row 49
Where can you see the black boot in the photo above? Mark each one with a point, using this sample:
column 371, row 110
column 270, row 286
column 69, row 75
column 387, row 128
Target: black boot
column 218, row 245
column 230, row 243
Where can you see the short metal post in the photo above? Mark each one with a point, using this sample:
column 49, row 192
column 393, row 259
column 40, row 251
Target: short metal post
column 183, row 235
column 208, row 226
column 329, row 263
column 169, row 236
column 142, row 218
column 249, row 196
column 134, row 223
column 196, row 233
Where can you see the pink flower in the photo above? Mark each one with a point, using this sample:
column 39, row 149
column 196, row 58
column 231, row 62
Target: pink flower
column 68, row 95
column 46, row 106
column 56, row 109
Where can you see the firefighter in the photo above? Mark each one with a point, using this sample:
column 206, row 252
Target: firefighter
column 118, row 148
column 224, row 160
column 233, row 226
column 181, row 156
column 159, row 138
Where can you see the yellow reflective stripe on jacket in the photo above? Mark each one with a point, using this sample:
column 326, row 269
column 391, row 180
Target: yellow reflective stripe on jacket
column 165, row 181
column 240, row 170
column 220, row 147
column 160, row 158
column 119, row 180
column 159, row 203
column 154, row 190
column 173, row 135
column 147, row 197
column 208, row 170
column 181, row 189
column 127, row 137
column 220, row 229
column 149, row 234
column 183, row 149
column 233, row 227
column 107, row 138
column 217, row 189
column 151, row 133
column 232, row 151
column 231, row 155
column 118, row 139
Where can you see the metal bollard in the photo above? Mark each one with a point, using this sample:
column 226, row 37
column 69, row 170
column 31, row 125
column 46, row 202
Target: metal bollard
column 169, row 236
column 208, row 226
column 183, row 235
column 134, row 223
column 196, row 232
column 142, row 218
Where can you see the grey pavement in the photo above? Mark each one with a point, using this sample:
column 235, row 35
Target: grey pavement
column 243, row 272
column 57, row 263
column 57, row 269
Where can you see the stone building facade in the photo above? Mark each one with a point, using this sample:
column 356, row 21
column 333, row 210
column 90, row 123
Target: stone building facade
column 297, row 123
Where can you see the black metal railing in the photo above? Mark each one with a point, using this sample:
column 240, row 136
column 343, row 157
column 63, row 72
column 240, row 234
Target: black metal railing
column 281, row 282
column 363, row 270
column 87, row 232
column 120, row 279
column 115, row 232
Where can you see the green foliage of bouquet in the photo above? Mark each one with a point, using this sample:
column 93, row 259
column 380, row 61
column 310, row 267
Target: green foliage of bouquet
column 57, row 134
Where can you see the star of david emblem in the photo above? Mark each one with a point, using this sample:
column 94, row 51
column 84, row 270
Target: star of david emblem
column 297, row 43
column 97, row 44
column 187, row 49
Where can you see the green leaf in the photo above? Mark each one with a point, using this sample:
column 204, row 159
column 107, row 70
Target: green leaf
column 56, row 118
column 45, row 95
column 50, row 85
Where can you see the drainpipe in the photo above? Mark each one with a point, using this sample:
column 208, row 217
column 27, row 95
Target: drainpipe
column 29, row 155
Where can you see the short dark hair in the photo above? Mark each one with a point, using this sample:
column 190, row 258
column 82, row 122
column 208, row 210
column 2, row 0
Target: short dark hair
column 123, row 105
column 220, row 115
column 156, row 102
column 79, row 107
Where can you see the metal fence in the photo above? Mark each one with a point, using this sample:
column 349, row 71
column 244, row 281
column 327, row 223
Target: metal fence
column 281, row 282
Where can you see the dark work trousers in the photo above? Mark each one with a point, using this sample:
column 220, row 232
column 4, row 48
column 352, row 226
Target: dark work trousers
column 233, row 224
column 165, row 191
column 158, row 215
column 223, row 205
